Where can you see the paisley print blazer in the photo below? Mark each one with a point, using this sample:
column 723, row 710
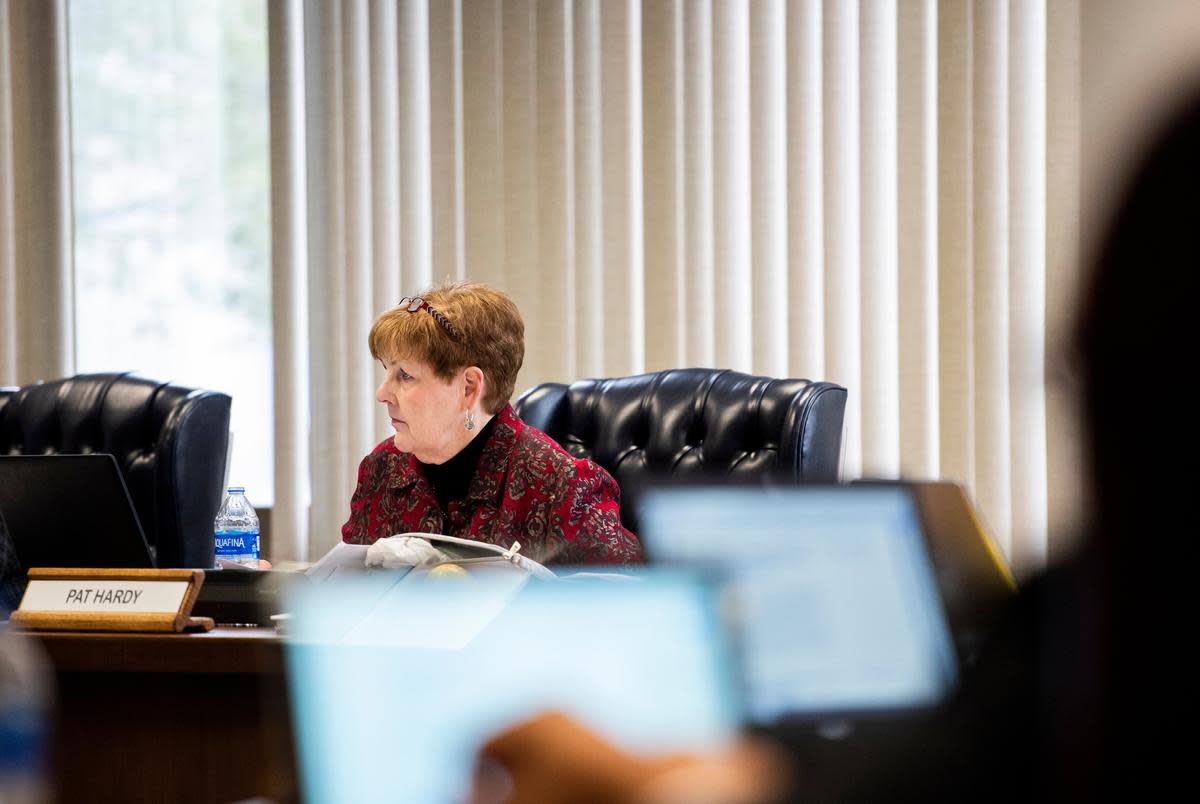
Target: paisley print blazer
column 526, row 488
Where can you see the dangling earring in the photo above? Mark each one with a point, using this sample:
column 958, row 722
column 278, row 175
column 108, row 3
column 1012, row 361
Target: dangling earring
column 470, row 423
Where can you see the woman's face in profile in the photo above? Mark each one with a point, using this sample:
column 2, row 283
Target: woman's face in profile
column 426, row 411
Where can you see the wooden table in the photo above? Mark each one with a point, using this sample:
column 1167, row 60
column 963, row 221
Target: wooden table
column 170, row 717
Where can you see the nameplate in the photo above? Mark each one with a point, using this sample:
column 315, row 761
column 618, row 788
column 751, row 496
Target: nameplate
column 110, row 600
column 108, row 596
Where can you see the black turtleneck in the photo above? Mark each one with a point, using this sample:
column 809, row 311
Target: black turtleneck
column 452, row 480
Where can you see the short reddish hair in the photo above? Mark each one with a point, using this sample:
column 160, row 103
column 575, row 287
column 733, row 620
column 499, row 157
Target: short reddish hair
column 483, row 328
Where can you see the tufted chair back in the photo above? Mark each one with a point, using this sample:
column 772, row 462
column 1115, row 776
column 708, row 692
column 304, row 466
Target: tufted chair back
column 695, row 424
column 169, row 441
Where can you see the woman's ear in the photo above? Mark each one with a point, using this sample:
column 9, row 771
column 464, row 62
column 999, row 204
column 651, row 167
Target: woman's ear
column 474, row 384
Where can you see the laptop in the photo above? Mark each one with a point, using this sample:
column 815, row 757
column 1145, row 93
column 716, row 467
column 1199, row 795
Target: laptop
column 70, row 511
column 832, row 593
column 973, row 575
column 810, row 611
column 395, row 681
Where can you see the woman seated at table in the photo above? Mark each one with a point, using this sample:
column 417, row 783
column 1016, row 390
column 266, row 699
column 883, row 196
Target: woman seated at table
column 461, row 463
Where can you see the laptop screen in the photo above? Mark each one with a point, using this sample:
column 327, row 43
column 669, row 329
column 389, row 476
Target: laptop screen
column 973, row 576
column 397, row 681
column 833, row 593
column 70, row 511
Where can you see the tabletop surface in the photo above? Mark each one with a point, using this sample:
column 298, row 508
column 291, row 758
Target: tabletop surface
column 222, row 650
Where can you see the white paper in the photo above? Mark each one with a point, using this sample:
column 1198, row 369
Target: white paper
column 342, row 559
column 524, row 562
column 484, row 550
column 436, row 627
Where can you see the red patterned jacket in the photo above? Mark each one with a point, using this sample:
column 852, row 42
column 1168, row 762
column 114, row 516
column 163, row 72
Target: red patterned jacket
column 526, row 488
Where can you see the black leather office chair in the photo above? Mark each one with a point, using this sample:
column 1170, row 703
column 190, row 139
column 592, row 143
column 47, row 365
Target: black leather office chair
column 169, row 441
column 695, row 424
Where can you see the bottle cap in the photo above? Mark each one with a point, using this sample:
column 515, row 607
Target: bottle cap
column 237, row 489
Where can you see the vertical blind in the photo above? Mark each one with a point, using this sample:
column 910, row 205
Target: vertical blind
column 847, row 191
column 36, row 287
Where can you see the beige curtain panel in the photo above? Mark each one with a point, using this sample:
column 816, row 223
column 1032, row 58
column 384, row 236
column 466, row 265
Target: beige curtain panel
column 37, row 339
column 849, row 191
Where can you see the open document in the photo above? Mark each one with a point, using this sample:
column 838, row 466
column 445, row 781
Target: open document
column 342, row 559
column 406, row 551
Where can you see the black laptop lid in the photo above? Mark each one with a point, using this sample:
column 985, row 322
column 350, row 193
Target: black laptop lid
column 70, row 511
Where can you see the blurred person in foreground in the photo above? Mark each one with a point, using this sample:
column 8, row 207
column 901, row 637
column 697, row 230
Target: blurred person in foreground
column 1083, row 693
column 461, row 463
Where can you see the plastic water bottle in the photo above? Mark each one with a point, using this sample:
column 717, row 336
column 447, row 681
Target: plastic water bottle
column 235, row 529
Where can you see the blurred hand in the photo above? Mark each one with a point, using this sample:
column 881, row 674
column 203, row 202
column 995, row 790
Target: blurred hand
column 552, row 759
column 260, row 564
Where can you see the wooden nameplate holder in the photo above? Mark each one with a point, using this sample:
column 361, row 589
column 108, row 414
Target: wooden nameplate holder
column 152, row 600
